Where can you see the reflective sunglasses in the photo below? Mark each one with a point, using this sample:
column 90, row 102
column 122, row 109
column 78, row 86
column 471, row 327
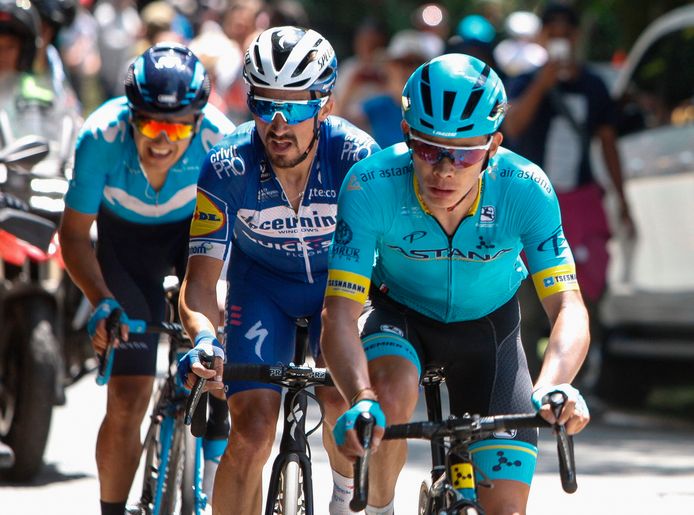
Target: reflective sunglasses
column 175, row 131
column 432, row 153
column 293, row 111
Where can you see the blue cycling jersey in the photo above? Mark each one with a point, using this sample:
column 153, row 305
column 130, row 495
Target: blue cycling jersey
column 448, row 278
column 108, row 171
column 241, row 200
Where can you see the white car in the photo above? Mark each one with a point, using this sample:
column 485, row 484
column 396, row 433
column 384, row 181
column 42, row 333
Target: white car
column 648, row 310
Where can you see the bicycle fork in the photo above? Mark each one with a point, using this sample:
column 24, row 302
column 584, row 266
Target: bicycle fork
column 293, row 447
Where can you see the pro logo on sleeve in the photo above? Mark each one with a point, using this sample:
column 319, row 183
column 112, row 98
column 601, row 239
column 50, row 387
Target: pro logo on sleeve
column 208, row 218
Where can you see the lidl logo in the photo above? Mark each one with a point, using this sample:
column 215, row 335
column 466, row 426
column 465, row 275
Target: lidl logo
column 207, row 218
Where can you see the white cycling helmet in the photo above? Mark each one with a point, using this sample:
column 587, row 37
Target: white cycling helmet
column 291, row 58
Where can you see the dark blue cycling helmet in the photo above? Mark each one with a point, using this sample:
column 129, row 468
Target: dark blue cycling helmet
column 454, row 96
column 167, row 79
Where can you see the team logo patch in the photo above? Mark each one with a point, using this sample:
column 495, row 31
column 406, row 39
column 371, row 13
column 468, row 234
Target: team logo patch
column 488, row 214
column 387, row 328
column 343, row 233
column 208, row 218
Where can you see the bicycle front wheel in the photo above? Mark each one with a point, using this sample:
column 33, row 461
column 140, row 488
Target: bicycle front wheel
column 179, row 494
column 287, row 495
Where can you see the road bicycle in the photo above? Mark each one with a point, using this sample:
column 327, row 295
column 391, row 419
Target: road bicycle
column 290, row 490
column 453, row 486
column 173, row 465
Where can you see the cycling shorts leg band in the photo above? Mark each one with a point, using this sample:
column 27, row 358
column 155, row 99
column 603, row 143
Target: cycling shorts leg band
column 505, row 459
column 377, row 345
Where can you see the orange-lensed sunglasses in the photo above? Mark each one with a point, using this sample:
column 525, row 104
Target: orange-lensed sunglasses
column 175, row 131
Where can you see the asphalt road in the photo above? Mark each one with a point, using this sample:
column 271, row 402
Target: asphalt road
column 627, row 464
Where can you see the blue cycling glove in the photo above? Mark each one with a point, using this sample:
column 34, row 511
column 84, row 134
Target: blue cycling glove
column 541, row 396
column 102, row 310
column 204, row 341
column 349, row 417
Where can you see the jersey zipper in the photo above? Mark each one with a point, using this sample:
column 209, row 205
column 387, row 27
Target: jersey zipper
column 300, row 235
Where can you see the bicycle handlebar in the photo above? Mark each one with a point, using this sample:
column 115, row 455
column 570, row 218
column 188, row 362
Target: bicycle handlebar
column 364, row 426
column 475, row 426
column 282, row 375
column 113, row 322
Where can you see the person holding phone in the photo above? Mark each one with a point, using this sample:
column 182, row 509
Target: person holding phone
column 556, row 112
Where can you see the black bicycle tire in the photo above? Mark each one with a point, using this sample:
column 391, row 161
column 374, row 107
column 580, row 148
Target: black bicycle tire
column 150, row 469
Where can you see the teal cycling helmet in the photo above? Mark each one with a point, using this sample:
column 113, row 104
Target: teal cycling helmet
column 454, row 96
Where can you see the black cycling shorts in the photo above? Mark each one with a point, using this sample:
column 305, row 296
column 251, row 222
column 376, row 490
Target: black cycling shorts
column 483, row 360
column 134, row 259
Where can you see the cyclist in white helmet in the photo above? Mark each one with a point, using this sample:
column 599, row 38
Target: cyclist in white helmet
column 267, row 200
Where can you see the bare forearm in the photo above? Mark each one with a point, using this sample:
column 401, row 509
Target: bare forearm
column 344, row 356
column 524, row 109
column 568, row 346
column 198, row 308
column 83, row 267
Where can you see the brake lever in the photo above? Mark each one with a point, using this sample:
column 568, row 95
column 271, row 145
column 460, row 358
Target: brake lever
column 196, row 411
column 565, row 445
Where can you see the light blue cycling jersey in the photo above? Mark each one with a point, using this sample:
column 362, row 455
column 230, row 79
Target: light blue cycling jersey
column 462, row 277
column 108, row 171
column 240, row 199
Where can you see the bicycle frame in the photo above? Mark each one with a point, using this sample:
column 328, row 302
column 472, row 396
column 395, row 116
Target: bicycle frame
column 294, row 443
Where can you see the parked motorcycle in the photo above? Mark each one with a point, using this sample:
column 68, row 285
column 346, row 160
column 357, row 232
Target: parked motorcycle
column 30, row 359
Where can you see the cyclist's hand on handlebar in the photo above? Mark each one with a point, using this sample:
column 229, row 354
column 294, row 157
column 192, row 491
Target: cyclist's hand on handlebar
column 345, row 435
column 96, row 326
column 189, row 366
column 574, row 415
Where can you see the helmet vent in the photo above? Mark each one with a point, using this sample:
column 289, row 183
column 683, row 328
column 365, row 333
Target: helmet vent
column 298, row 84
column 448, row 99
column 259, row 80
column 258, row 62
column 482, row 79
column 426, row 124
column 308, row 58
column 472, row 102
column 426, row 98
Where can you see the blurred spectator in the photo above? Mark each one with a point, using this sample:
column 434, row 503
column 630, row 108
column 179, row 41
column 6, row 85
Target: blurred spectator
column 119, row 27
column 222, row 59
column 239, row 23
column 474, row 36
column 361, row 75
column 80, row 51
column 555, row 113
column 157, row 26
column 381, row 115
column 519, row 53
column 287, row 12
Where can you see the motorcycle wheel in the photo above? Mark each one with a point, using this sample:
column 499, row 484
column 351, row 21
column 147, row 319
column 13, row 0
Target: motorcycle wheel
column 28, row 387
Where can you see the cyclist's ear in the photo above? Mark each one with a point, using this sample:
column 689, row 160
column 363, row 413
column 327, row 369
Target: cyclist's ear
column 497, row 138
column 326, row 109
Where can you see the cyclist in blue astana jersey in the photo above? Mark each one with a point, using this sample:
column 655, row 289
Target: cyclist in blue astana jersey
column 267, row 199
column 447, row 214
column 136, row 168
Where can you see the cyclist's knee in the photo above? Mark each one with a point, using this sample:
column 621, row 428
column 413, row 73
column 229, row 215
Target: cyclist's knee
column 333, row 404
column 128, row 398
column 397, row 391
column 509, row 498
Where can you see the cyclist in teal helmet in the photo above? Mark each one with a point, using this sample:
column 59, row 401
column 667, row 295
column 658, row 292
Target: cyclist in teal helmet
column 431, row 231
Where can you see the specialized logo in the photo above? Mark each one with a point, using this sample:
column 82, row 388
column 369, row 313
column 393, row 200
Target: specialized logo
column 208, row 218
column 259, row 332
column 343, row 233
column 294, row 418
